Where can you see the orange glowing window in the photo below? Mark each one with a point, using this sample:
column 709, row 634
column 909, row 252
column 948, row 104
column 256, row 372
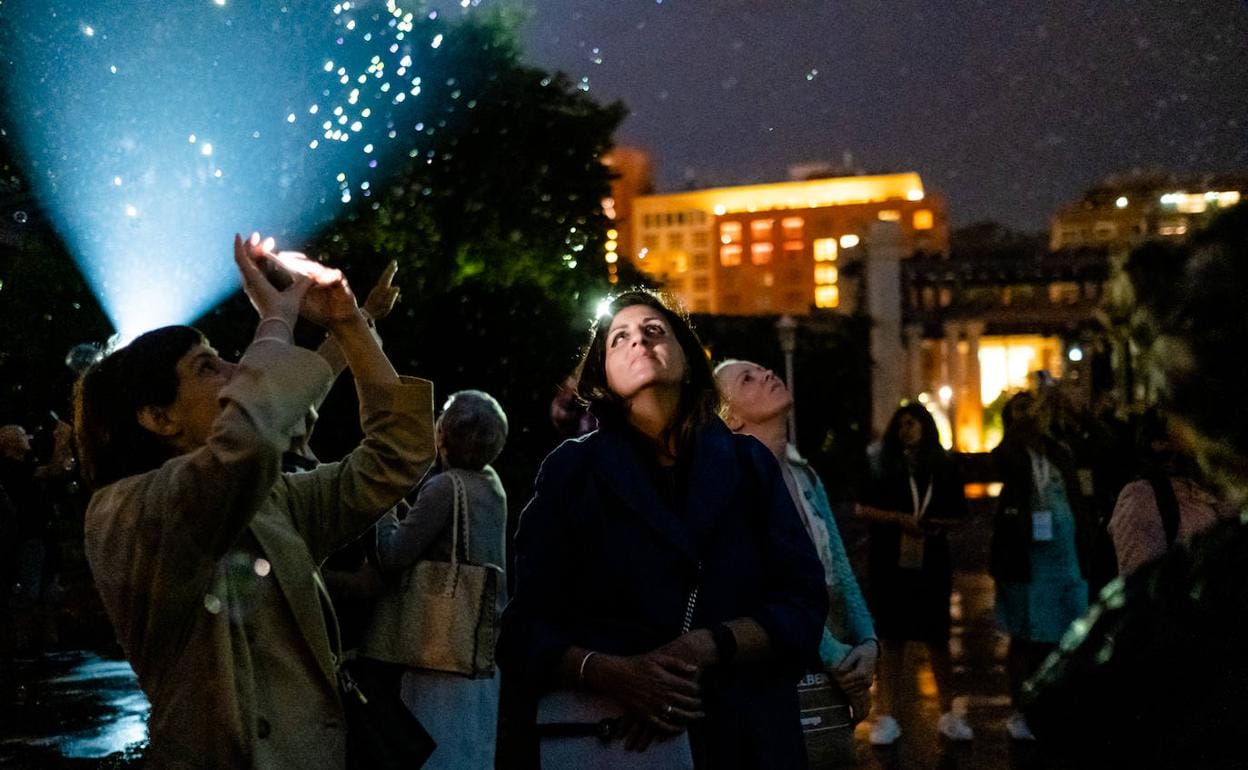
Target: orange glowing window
column 825, row 274
column 760, row 253
column 923, row 219
column 889, row 215
column 760, row 229
column 825, row 249
column 792, row 227
column 729, row 232
column 730, row 254
column 827, row 296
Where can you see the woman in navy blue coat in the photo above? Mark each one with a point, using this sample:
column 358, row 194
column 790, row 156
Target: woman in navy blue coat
column 661, row 564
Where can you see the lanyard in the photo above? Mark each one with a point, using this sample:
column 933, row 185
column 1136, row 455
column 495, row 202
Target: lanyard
column 920, row 508
column 1041, row 470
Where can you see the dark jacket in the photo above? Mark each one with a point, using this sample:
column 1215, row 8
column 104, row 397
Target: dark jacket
column 1011, row 525
column 606, row 560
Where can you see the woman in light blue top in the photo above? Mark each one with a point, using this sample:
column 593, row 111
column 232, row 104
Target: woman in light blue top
column 757, row 402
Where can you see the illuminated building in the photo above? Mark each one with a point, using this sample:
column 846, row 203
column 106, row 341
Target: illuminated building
column 976, row 330
column 775, row 248
column 630, row 177
column 1125, row 211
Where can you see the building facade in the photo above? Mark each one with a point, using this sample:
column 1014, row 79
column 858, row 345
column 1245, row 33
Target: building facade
column 1125, row 211
column 777, row 248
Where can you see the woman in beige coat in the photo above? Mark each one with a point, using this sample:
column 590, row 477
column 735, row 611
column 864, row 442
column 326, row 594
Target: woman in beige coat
column 205, row 554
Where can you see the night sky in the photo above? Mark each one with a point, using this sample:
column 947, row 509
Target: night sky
column 1007, row 107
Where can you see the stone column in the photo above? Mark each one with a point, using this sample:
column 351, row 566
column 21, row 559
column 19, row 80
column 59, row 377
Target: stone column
column 883, row 252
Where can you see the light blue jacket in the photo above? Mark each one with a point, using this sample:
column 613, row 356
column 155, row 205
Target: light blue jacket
column 849, row 621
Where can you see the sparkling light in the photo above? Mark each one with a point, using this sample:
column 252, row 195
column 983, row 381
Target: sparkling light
column 235, row 73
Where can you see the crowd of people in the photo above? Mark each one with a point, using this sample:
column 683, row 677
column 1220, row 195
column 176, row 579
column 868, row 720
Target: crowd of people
column 681, row 594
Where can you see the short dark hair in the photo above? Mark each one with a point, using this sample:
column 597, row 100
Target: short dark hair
column 111, row 442
column 472, row 429
column 699, row 395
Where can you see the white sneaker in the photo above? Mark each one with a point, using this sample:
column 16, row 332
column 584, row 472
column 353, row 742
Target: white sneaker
column 1017, row 727
column 954, row 727
column 885, row 731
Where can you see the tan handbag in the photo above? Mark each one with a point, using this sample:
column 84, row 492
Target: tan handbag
column 443, row 615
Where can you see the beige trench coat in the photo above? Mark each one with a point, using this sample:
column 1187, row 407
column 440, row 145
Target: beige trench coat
column 208, row 566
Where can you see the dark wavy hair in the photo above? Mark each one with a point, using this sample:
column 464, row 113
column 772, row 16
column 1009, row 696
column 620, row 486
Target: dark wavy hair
column 892, row 453
column 111, row 443
column 699, row 395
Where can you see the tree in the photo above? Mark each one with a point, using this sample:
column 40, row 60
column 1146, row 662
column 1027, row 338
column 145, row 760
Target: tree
column 493, row 220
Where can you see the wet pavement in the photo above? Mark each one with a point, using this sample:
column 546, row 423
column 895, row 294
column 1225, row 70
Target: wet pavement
column 84, row 709
column 71, row 710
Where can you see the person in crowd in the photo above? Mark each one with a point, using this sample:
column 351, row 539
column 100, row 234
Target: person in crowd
column 1036, row 561
column 204, row 553
column 1155, row 675
column 460, row 713
column 30, row 566
column 757, row 403
column 913, row 496
column 661, row 564
column 1171, row 502
column 568, row 414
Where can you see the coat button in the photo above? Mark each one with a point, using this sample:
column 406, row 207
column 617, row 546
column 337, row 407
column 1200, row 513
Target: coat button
column 262, row 728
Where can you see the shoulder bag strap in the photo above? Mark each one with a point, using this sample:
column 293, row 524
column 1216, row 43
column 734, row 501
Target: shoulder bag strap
column 1167, row 506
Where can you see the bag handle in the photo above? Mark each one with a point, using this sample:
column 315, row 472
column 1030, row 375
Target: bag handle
column 460, row 510
column 459, row 507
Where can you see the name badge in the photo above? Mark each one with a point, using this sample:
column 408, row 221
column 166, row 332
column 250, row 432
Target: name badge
column 910, row 555
column 1042, row 526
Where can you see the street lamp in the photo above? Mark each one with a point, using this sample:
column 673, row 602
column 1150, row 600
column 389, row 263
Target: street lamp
column 786, row 329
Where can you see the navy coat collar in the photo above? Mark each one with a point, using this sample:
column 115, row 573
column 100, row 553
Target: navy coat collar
column 714, row 475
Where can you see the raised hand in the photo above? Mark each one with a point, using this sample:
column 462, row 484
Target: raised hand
column 381, row 298
column 267, row 299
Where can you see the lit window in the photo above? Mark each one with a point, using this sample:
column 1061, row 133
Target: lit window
column 825, row 274
column 760, row 229
column 914, row 195
column 792, row 226
column 680, row 262
column 825, row 249
column 849, row 241
column 923, row 219
column 827, row 296
column 729, row 232
column 730, row 254
column 889, row 215
column 1104, row 231
column 760, row 253
column 793, row 248
column 769, row 279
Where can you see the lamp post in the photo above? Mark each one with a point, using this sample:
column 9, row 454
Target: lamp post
column 786, row 330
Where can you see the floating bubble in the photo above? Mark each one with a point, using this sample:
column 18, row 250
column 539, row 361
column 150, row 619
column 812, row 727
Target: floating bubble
column 20, row 217
column 212, row 604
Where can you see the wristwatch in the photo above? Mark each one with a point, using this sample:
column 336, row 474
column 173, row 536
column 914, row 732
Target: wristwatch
column 725, row 643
